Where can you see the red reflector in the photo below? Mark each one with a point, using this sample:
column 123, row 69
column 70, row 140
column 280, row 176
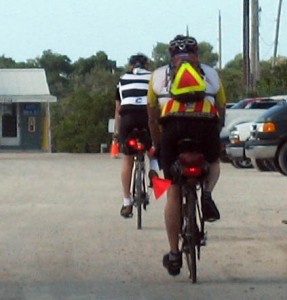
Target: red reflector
column 140, row 146
column 135, row 144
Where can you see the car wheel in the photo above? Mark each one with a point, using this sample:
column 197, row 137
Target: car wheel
column 282, row 159
column 260, row 165
column 242, row 163
column 270, row 163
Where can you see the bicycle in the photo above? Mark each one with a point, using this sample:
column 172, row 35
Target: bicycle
column 137, row 143
column 189, row 172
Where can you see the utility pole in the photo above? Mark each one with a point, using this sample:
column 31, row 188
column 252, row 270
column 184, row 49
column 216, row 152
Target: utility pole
column 254, row 49
column 246, row 46
column 220, row 41
column 276, row 34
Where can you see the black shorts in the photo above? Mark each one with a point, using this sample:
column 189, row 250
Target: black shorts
column 205, row 131
column 131, row 120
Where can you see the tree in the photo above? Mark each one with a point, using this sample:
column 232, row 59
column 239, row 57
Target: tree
column 273, row 80
column 160, row 55
column 58, row 70
column 232, row 78
column 206, row 55
column 80, row 120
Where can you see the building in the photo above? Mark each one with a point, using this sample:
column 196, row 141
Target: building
column 24, row 110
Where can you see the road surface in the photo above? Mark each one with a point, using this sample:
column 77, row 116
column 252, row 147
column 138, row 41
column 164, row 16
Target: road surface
column 62, row 236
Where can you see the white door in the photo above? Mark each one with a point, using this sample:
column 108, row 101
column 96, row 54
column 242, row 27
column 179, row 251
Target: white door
column 9, row 129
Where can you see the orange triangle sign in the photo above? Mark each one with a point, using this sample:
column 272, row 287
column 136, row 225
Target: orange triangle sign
column 160, row 185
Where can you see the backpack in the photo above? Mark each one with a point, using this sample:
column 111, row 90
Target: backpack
column 186, row 83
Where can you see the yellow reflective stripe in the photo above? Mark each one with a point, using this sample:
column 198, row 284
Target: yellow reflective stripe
column 206, row 106
column 175, row 106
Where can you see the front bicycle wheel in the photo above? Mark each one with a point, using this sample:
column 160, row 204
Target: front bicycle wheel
column 191, row 235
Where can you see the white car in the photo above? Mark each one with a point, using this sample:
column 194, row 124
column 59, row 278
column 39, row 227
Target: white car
column 235, row 150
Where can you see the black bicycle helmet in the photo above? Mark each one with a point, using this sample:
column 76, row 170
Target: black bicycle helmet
column 183, row 44
column 138, row 60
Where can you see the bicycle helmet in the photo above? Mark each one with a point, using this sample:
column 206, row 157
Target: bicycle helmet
column 182, row 44
column 138, row 60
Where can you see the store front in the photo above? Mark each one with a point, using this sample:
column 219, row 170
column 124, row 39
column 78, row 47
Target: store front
column 24, row 110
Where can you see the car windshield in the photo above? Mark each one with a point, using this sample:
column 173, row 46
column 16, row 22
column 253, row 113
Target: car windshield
column 261, row 104
column 255, row 103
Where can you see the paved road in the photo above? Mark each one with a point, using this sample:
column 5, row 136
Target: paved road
column 62, row 237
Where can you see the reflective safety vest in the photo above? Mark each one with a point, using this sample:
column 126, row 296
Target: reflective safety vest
column 202, row 108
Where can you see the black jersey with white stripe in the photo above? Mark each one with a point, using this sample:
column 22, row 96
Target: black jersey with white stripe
column 132, row 89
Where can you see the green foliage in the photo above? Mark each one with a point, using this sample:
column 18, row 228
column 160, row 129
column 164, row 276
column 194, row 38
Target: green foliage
column 86, row 90
column 206, row 55
column 58, row 69
column 273, row 80
column 160, row 55
column 232, row 79
column 7, row 63
column 79, row 123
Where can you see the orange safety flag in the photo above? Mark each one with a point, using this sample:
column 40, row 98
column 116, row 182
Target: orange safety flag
column 115, row 149
column 187, row 80
column 160, row 185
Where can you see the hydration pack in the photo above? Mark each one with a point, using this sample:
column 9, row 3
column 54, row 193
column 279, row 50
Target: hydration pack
column 187, row 84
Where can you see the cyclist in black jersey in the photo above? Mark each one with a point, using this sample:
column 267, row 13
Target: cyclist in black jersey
column 130, row 113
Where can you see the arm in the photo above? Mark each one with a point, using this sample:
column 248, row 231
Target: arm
column 153, row 116
column 117, row 114
column 153, row 111
column 117, row 118
column 220, row 102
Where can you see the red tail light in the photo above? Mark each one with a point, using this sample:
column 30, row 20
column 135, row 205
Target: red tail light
column 132, row 143
column 135, row 144
column 192, row 171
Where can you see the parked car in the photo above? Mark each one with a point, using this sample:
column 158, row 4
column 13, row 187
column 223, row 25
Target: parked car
column 239, row 134
column 235, row 149
column 254, row 103
column 230, row 104
column 268, row 139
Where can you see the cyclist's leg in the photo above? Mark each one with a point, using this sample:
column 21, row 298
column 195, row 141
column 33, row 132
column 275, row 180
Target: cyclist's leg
column 211, row 148
column 172, row 213
column 126, row 126
column 213, row 176
column 126, row 175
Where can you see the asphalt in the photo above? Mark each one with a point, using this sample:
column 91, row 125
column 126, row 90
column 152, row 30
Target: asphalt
column 62, row 236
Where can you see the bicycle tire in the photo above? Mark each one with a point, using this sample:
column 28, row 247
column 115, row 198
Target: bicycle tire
column 138, row 193
column 191, row 235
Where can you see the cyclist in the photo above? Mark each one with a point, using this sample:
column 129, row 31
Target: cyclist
column 170, row 120
column 130, row 113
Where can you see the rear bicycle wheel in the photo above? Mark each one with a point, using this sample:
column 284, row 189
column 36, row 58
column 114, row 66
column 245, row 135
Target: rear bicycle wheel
column 138, row 195
column 191, row 236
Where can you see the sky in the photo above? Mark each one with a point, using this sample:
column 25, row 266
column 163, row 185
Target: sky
column 121, row 28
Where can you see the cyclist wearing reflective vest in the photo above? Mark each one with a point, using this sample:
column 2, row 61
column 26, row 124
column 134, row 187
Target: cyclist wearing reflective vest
column 130, row 113
column 186, row 99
